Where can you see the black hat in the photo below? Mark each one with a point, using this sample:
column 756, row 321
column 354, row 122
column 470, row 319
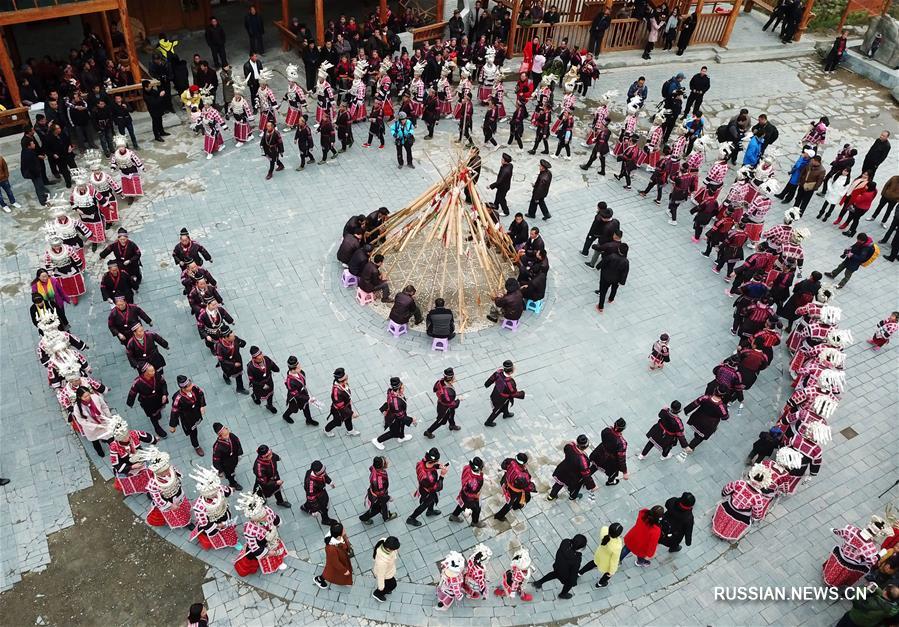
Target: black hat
column 122, row 231
column 687, row 499
column 477, row 464
column 395, row 383
column 546, row 164
column 183, row 380
column 582, row 441
column 620, row 424
column 184, row 231
column 216, row 427
column 508, row 366
column 448, row 373
column 254, row 350
column 135, row 325
column 339, row 374
column 36, row 298
column 664, row 337
column 262, row 450
column 675, row 406
column 507, row 157
column 522, row 457
column 112, row 262
column 317, row 466
column 292, row 361
column 225, row 330
column 432, row 455
column 392, row 543
column 120, row 297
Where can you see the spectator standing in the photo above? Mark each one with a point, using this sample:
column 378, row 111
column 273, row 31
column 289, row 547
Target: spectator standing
column 541, row 191
column 252, row 23
column 101, row 116
column 654, row 24
column 5, row 186
column 598, row 28
column 121, row 115
column 643, row 538
column 877, row 153
column 889, row 196
column 31, row 169
column 677, row 523
column 686, row 32
column 699, row 85
column 859, row 201
column 215, row 39
column 613, row 268
column 853, row 258
column 403, row 133
column 810, row 179
column 155, row 101
column 671, row 28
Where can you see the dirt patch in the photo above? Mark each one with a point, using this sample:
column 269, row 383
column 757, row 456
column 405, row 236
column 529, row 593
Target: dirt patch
column 107, row 569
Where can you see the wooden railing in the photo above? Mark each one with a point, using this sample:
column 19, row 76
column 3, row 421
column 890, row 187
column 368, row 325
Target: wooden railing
column 428, row 32
column 710, row 29
column 288, row 39
column 626, row 34
column 18, row 118
column 577, row 34
column 132, row 94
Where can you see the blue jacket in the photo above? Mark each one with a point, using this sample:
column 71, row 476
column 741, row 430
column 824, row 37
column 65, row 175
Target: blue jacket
column 402, row 131
column 857, row 254
column 796, row 170
column 753, row 152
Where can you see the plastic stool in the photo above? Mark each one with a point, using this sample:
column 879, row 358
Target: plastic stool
column 534, row 305
column 349, row 280
column 512, row 325
column 440, row 344
column 396, row 329
column 364, row 298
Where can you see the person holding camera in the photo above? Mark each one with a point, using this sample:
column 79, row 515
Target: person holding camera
column 403, row 131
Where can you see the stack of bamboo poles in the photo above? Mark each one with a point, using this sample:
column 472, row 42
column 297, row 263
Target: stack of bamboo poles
column 447, row 248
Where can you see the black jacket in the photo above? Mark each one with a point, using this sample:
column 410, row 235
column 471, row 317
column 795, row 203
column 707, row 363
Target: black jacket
column 518, row 232
column 440, row 322
column 403, row 309
column 541, row 185
column 31, row 164
column 677, row 524
column 215, row 35
column 358, row 261
column 615, row 268
column 347, row 249
column 876, row 154
column 511, row 304
column 567, row 563
column 503, row 178
column 700, row 83
column 253, row 24
column 770, row 131
column 226, row 453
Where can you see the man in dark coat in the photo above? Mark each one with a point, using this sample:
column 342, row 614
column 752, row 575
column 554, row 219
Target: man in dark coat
column 31, row 169
column 155, row 99
column 359, row 259
column 770, row 132
column 518, row 230
column 268, row 480
column 602, row 229
column 613, row 272
column 504, row 392
column 405, row 308
column 372, row 280
column 511, row 304
column 440, row 322
column 259, row 376
column 188, row 408
column 541, row 190
column 502, row 184
column 566, row 565
column 116, row 282
column 699, row 85
column 348, row 246
column 877, row 153
column 215, row 39
column 677, row 523
column 226, row 453
column 252, row 23
column 598, row 28
column 853, row 258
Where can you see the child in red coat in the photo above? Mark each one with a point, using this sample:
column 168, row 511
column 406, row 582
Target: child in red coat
column 643, row 538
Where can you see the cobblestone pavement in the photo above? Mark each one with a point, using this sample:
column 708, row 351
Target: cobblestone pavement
column 273, row 244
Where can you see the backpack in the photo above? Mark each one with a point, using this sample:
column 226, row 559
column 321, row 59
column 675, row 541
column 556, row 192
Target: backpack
column 665, row 87
column 874, row 255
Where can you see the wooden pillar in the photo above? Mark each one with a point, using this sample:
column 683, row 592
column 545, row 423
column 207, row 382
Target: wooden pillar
column 9, row 74
column 383, row 12
column 806, row 16
column 731, row 20
column 125, row 24
column 320, row 21
column 285, row 19
column 107, row 34
column 747, row 6
column 844, row 16
column 439, row 16
column 514, row 27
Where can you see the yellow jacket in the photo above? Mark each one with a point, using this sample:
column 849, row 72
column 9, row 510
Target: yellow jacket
column 166, row 47
column 189, row 100
column 608, row 555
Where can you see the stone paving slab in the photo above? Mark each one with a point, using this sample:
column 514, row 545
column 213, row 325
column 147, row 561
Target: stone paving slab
column 273, row 245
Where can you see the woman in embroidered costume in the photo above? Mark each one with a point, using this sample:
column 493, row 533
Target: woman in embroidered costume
column 266, row 101
column 106, row 187
column 630, row 124
column 747, row 500
column 131, row 477
column 240, row 109
column 417, row 89
column 295, row 97
column 445, row 92
column 568, row 102
column 487, row 75
column 211, row 123
column 263, row 548
column 452, row 576
column 858, row 553
column 652, row 149
column 382, row 88
column 601, row 116
column 514, row 578
column 71, row 231
column 64, row 264
column 463, row 90
column 127, row 162
column 85, row 199
column 324, row 93
column 357, row 91
column 214, row 528
column 170, row 505
column 475, row 583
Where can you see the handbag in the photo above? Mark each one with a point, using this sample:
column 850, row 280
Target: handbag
column 809, row 186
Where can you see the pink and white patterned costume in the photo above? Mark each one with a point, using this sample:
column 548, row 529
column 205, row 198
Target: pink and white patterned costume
column 242, row 113
column 212, row 122
column 446, row 95
column 262, row 541
column 475, row 584
column 734, row 516
column 417, row 91
column 714, row 180
column 107, row 188
column 86, row 200
column 652, row 150
column 168, row 499
column 128, row 479
column 127, row 162
column 266, row 105
column 296, row 104
column 851, row 560
column 66, row 265
column 498, row 95
column 568, row 103
column 755, row 213
column 885, row 329
column 212, row 519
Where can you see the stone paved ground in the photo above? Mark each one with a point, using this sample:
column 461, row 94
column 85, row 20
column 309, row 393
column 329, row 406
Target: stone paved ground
column 273, row 244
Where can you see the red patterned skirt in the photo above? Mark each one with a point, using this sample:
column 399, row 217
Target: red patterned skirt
column 225, row 538
column 268, row 116
column 484, row 93
column 795, row 339
column 650, row 160
column 618, row 149
column 797, row 361
column 109, row 206
column 501, row 109
column 80, row 254
column 293, row 117
column 358, row 112
column 418, row 108
column 175, row 518
column 241, row 132
column 730, row 524
column 212, row 144
column 446, row 108
column 98, row 231
column 754, row 231
column 73, row 286
column 751, row 193
column 839, row 571
column 388, row 110
column 132, row 185
column 268, row 563
column 792, row 483
column 133, row 484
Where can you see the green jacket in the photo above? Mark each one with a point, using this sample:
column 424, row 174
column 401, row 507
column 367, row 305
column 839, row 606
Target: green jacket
column 873, row 610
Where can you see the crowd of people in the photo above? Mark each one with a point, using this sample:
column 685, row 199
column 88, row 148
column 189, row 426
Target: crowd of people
column 767, row 283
